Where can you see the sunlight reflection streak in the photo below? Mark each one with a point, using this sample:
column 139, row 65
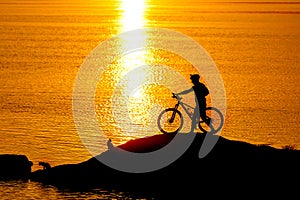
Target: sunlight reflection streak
column 132, row 90
column 133, row 14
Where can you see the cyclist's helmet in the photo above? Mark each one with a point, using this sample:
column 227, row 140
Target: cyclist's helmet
column 194, row 77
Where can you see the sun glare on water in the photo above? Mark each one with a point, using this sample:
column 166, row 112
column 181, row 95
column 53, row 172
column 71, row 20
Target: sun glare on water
column 129, row 97
column 133, row 18
column 133, row 14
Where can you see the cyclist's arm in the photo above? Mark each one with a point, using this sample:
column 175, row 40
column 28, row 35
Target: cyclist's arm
column 185, row 91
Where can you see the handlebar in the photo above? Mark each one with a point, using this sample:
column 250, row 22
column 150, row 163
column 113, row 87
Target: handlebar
column 175, row 96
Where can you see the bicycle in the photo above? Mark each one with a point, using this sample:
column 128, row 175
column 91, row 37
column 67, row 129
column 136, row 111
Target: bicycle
column 171, row 120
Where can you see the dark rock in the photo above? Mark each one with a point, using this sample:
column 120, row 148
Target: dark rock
column 231, row 165
column 14, row 167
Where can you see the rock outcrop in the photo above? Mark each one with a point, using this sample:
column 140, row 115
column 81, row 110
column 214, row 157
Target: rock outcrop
column 233, row 165
column 14, row 167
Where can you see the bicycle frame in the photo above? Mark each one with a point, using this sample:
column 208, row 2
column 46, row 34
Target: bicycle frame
column 185, row 107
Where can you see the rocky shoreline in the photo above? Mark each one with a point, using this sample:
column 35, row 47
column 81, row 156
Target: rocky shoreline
column 230, row 165
column 14, row 167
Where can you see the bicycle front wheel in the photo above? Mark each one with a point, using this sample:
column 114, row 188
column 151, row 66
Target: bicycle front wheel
column 170, row 121
column 216, row 122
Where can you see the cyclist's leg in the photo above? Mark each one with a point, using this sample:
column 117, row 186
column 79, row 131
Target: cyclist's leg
column 202, row 107
column 195, row 119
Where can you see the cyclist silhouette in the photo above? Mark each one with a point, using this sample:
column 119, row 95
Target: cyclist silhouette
column 200, row 91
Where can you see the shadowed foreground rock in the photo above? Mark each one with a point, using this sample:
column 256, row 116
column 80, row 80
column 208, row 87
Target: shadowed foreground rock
column 230, row 166
column 14, row 167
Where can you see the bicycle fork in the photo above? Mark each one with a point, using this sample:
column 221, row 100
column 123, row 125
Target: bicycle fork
column 174, row 113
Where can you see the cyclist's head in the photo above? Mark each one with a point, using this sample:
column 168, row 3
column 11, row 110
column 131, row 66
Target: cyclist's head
column 194, row 77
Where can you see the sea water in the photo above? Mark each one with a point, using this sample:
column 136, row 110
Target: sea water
column 255, row 46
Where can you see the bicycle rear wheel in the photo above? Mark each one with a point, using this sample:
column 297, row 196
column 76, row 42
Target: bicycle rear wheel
column 216, row 122
column 170, row 121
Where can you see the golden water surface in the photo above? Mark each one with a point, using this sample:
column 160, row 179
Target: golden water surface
column 254, row 44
